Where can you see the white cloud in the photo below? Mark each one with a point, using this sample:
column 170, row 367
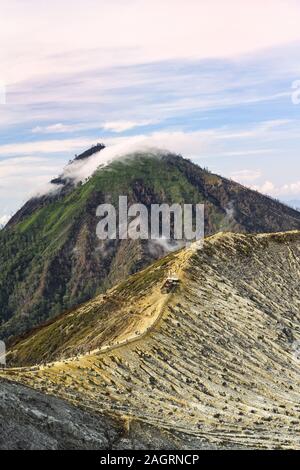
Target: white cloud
column 4, row 219
column 79, row 170
column 121, row 126
column 194, row 144
column 266, row 188
column 60, row 128
column 54, row 128
column 288, row 189
column 46, row 188
column 20, row 175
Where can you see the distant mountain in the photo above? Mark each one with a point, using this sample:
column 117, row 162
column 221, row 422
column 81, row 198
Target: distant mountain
column 294, row 203
column 217, row 357
column 51, row 259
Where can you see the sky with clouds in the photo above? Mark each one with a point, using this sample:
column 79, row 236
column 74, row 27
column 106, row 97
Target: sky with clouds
column 215, row 80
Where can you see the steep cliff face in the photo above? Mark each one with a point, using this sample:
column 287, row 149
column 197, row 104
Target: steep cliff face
column 216, row 358
column 52, row 260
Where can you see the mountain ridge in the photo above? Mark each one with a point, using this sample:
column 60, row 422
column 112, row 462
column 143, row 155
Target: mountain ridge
column 219, row 364
column 52, row 259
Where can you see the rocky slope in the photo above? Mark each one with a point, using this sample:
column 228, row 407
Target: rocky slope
column 33, row 421
column 51, row 259
column 217, row 359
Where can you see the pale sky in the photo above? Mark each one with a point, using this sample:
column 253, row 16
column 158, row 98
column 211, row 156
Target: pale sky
column 211, row 79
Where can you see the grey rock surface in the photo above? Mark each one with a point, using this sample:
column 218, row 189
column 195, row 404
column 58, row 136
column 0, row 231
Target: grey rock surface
column 30, row 420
